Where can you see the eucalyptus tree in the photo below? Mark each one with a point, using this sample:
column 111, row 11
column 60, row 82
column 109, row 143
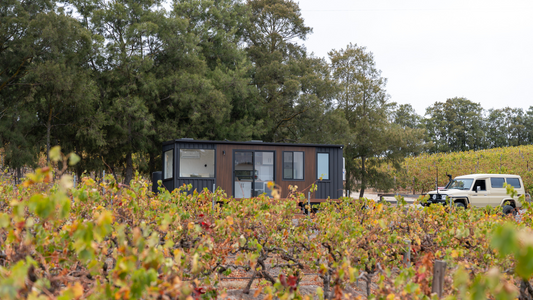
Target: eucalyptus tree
column 19, row 41
column 45, row 84
column 281, row 66
column 320, row 121
column 363, row 99
column 19, row 47
column 529, row 125
column 62, row 91
column 220, row 27
column 373, row 139
column 126, row 34
column 455, row 125
column 405, row 116
column 203, row 73
column 506, row 127
column 215, row 98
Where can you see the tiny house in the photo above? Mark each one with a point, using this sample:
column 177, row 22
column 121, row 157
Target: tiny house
column 243, row 169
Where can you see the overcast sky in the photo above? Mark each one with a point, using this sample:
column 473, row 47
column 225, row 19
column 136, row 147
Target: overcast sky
column 434, row 50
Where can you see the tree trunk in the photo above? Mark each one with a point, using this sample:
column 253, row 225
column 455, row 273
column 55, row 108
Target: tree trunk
column 114, row 173
column 151, row 164
column 78, row 168
column 17, row 175
column 48, row 127
column 363, row 178
column 129, row 169
column 348, row 185
column 350, row 170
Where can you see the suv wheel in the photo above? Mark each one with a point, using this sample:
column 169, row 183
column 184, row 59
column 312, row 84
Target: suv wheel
column 460, row 205
column 507, row 209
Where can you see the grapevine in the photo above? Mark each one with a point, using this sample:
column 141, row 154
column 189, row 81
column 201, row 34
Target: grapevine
column 64, row 242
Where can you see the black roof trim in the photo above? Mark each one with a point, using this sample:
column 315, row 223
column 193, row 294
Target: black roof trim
column 249, row 143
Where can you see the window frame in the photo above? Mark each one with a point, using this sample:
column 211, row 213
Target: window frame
column 329, row 166
column 253, row 151
column 283, row 166
column 165, row 167
column 197, row 178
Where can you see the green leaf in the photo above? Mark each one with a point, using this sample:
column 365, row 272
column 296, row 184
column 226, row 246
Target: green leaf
column 5, row 220
column 55, row 153
column 524, row 262
column 73, row 159
column 460, row 278
column 64, row 207
column 504, row 239
column 42, row 206
column 320, row 293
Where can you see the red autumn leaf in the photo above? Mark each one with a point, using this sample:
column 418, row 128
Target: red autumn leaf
column 20, row 224
column 420, row 277
column 282, row 280
column 293, row 281
column 198, row 291
column 205, row 225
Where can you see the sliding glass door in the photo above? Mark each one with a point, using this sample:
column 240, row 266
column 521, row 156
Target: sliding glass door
column 252, row 171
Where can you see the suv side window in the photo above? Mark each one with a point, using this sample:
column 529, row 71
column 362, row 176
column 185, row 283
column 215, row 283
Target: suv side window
column 497, row 182
column 482, row 185
column 514, row 182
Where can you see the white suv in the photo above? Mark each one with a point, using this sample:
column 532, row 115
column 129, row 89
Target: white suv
column 480, row 190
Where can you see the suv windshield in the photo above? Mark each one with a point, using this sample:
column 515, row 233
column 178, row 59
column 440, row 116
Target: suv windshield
column 460, row 184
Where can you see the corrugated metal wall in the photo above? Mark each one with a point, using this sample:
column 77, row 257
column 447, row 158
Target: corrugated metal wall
column 169, row 184
column 197, row 184
column 333, row 187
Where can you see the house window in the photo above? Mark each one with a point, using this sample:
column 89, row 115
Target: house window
column 293, row 165
column 322, row 166
column 197, row 163
column 168, row 164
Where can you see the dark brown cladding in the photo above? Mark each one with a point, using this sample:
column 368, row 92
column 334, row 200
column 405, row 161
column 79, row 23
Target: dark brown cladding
column 224, row 166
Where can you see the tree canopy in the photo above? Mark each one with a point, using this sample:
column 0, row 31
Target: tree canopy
column 373, row 138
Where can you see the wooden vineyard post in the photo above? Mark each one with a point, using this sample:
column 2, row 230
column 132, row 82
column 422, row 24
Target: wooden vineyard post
column 439, row 271
column 213, row 198
column 407, row 254
column 309, row 206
